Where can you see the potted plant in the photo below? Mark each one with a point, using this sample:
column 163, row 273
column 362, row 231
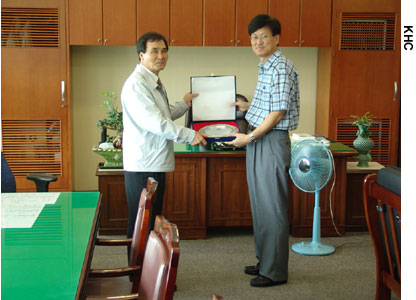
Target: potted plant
column 363, row 143
column 363, row 123
column 110, row 146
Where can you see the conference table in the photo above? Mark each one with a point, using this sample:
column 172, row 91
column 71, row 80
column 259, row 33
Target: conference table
column 46, row 244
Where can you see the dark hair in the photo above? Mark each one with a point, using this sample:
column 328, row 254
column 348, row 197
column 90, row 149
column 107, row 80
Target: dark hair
column 241, row 97
column 261, row 21
column 149, row 36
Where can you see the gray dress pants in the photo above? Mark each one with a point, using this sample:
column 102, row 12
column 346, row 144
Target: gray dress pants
column 267, row 161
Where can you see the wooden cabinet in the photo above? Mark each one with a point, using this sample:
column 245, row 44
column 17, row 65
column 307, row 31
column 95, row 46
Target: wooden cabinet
column 355, row 215
column 228, row 199
column 153, row 15
column 186, row 22
column 102, row 22
column 209, row 189
column 226, row 21
column 305, row 23
column 361, row 73
column 114, row 213
column 184, row 202
column 35, row 102
column 185, row 197
column 180, row 21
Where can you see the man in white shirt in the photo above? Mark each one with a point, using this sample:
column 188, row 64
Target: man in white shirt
column 148, row 127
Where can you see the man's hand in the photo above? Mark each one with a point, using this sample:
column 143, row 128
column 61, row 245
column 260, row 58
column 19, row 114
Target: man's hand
column 241, row 105
column 188, row 98
column 198, row 139
column 240, row 140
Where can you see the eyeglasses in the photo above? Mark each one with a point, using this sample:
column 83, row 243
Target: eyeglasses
column 262, row 37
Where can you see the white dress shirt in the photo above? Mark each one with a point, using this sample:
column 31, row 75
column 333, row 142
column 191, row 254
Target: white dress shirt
column 148, row 127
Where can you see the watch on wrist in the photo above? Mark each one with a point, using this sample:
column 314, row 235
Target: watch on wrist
column 252, row 138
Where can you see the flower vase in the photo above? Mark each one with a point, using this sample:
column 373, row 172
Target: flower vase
column 363, row 144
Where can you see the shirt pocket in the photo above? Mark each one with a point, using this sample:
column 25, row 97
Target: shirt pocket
column 265, row 96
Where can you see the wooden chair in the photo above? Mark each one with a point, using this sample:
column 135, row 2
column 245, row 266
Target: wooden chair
column 161, row 260
column 100, row 279
column 160, row 265
column 383, row 214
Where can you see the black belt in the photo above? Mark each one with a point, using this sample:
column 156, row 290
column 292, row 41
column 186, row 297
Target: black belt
column 252, row 128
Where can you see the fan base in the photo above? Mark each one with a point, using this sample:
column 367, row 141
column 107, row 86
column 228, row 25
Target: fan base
column 313, row 248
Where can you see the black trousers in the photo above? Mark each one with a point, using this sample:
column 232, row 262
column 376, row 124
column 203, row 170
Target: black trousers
column 135, row 182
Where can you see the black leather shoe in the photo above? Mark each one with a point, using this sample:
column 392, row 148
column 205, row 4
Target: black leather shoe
column 261, row 281
column 251, row 270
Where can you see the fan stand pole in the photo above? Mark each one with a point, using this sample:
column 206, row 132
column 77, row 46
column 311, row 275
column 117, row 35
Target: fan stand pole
column 315, row 247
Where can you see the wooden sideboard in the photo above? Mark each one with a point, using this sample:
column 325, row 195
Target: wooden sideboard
column 355, row 214
column 209, row 189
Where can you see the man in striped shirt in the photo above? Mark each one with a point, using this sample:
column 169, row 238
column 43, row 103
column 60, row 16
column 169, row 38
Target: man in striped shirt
column 273, row 111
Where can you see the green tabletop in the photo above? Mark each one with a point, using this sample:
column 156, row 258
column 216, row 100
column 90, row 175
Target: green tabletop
column 45, row 261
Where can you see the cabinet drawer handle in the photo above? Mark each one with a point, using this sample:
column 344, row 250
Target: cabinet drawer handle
column 395, row 91
column 63, row 91
column 232, row 41
column 99, row 40
column 296, row 41
column 105, row 41
column 173, row 41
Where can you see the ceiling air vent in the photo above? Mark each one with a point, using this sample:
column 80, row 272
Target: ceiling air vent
column 29, row 27
column 368, row 31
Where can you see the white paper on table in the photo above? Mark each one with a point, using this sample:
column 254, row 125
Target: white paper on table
column 20, row 210
column 216, row 93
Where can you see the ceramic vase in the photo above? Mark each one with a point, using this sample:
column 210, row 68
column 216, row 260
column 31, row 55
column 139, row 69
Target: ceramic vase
column 363, row 145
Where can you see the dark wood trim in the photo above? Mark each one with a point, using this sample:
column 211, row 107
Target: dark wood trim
column 89, row 252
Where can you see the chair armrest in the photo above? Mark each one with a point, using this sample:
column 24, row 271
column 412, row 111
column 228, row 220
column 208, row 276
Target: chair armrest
column 41, row 177
column 121, row 297
column 41, row 180
column 118, row 272
column 113, row 242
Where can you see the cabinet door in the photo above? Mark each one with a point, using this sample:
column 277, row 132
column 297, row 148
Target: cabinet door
column 219, row 23
column 35, row 110
column 153, row 15
column 115, row 211
column 85, row 22
column 119, row 22
column 245, row 11
column 315, row 24
column 287, row 12
column 365, row 73
column 185, row 197
column 228, row 198
column 186, row 23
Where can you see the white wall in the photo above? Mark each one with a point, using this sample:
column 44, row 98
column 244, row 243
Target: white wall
column 97, row 69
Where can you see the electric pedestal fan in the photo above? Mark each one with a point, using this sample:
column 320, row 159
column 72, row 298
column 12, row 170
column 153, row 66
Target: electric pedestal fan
column 310, row 169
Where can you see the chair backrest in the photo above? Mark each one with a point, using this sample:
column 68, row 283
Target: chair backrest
column 383, row 214
column 8, row 182
column 141, row 228
column 160, row 262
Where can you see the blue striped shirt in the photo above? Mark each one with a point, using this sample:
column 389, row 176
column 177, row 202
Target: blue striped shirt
column 277, row 89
